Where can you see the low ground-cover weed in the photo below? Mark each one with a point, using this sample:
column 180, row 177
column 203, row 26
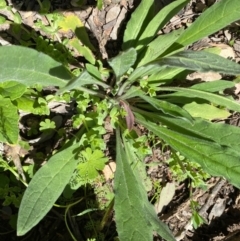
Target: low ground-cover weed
column 136, row 92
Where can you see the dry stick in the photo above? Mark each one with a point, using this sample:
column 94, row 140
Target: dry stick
column 204, row 208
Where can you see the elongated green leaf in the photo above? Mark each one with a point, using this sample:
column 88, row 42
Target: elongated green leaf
column 8, row 121
column 135, row 25
column 167, row 73
column 201, row 61
column 164, row 106
column 45, row 188
column 159, row 21
column 159, row 46
column 167, row 107
column 31, row 67
column 121, row 63
column 215, row 159
column 93, row 70
column 144, row 71
column 214, row 86
column 83, row 50
column 135, row 216
column 210, row 21
column 198, row 94
column 82, row 80
column 223, row 134
column 206, row 111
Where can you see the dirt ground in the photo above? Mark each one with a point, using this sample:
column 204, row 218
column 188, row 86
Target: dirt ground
column 220, row 202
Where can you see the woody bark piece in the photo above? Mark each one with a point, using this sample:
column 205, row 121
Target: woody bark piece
column 117, row 26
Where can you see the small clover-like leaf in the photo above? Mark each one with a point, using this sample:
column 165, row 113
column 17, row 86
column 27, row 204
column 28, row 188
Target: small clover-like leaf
column 46, row 125
column 94, row 162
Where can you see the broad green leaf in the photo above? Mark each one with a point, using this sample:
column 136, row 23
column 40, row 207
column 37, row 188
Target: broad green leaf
column 158, row 46
column 159, row 21
column 218, row 16
column 82, row 50
column 201, row 61
column 12, row 89
column 206, row 111
column 215, row 159
column 8, row 121
column 82, row 80
column 135, row 24
column 31, row 67
column 214, row 86
column 122, row 62
column 199, row 94
column 135, row 216
column 45, row 188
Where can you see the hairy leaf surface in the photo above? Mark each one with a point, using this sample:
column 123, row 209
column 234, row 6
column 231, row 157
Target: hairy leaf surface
column 210, row 21
column 82, row 80
column 45, row 188
column 158, row 46
column 199, row 94
column 122, row 62
column 159, row 21
column 135, row 216
column 144, row 71
column 201, row 61
column 167, row 107
column 213, row 86
column 134, row 26
column 223, row 134
column 8, row 121
column 12, row 89
column 31, row 67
